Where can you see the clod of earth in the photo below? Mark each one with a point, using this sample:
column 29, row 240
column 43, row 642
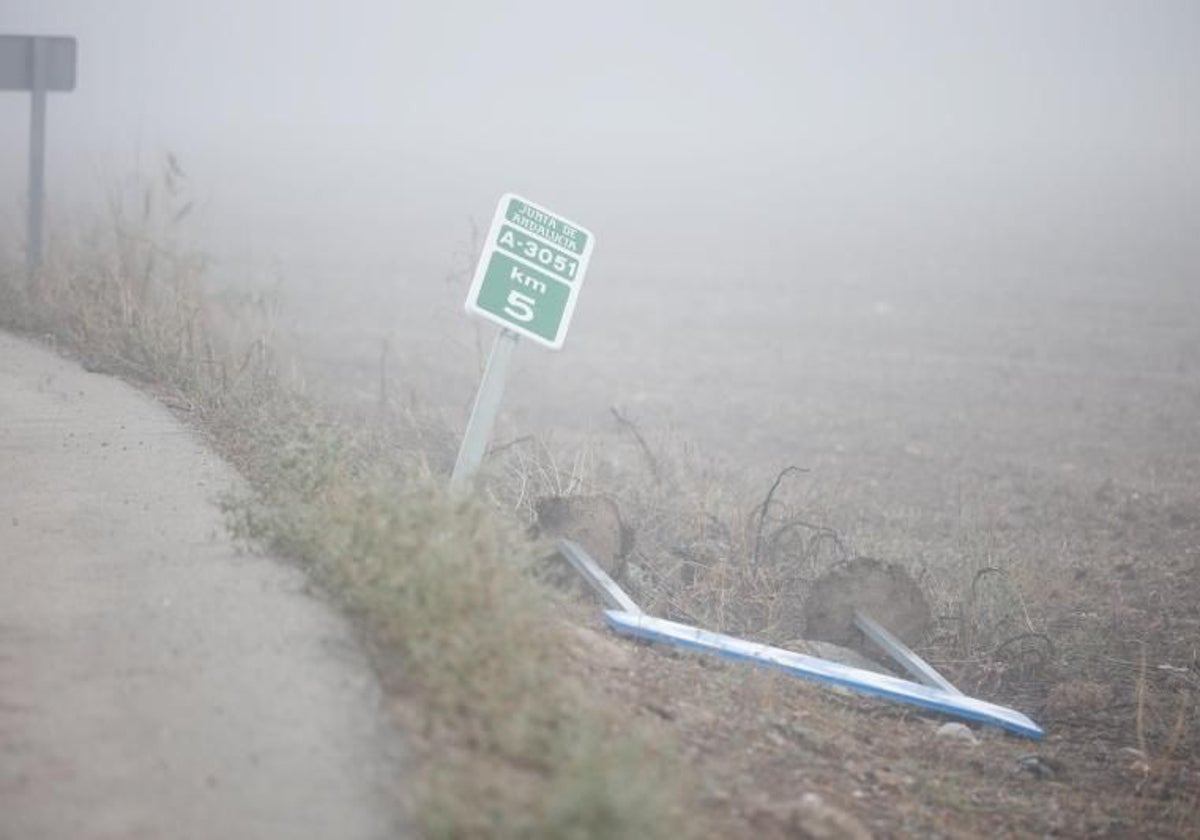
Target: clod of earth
column 883, row 590
column 1039, row 766
column 592, row 521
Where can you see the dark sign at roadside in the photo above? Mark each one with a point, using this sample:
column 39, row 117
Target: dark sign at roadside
column 39, row 64
column 23, row 56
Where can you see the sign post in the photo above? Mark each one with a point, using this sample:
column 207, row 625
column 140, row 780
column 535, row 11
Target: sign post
column 37, row 64
column 485, row 409
column 527, row 281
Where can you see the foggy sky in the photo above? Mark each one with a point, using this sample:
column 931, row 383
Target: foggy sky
column 699, row 140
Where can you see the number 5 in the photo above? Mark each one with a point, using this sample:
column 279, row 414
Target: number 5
column 519, row 307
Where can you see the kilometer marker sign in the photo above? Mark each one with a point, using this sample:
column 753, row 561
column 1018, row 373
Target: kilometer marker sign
column 529, row 274
column 527, row 281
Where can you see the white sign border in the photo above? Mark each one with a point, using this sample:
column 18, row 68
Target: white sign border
column 491, row 248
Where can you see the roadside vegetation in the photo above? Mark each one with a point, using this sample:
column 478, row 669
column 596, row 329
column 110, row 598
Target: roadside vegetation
column 1071, row 600
column 502, row 740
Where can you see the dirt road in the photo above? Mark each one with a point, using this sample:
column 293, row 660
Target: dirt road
column 155, row 683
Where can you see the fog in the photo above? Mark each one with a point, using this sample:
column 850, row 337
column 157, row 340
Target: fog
column 697, row 139
column 928, row 269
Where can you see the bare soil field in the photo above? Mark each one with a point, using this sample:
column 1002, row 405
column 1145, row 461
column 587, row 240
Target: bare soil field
column 1030, row 454
column 1027, row 454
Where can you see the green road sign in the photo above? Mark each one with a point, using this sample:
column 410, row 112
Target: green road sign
column 529, row 274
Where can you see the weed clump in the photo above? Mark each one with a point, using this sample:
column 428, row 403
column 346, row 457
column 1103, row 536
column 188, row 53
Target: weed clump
column 451, row 587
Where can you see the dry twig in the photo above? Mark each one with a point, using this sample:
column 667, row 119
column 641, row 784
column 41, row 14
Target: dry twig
column 761, row 510
column 651, row 461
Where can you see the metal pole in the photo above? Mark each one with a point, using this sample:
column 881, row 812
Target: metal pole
column 483, row 413
column 37, row 154
column 897, row 650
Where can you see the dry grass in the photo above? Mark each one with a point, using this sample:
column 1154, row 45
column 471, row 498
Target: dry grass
column 1020, row 618
column 443, row 586
column 1038, row 595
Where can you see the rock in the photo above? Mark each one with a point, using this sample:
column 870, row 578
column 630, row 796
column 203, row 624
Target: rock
column 1039, row 766
column 884, row 591
column 955, row 731
column 814, row 818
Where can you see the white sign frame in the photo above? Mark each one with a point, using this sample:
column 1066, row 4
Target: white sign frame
column 492, row 248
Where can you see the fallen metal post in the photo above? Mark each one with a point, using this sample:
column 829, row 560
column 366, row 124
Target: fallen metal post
column 612, row 595
column 897, row 650
column 821, row 670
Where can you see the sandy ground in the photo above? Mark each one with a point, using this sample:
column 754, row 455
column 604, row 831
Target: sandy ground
column 154, row 682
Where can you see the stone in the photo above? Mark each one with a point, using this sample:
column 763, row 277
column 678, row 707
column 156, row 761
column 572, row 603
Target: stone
column 955, row 731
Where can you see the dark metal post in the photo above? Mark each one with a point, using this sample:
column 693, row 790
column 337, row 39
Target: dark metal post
column 37, row 154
